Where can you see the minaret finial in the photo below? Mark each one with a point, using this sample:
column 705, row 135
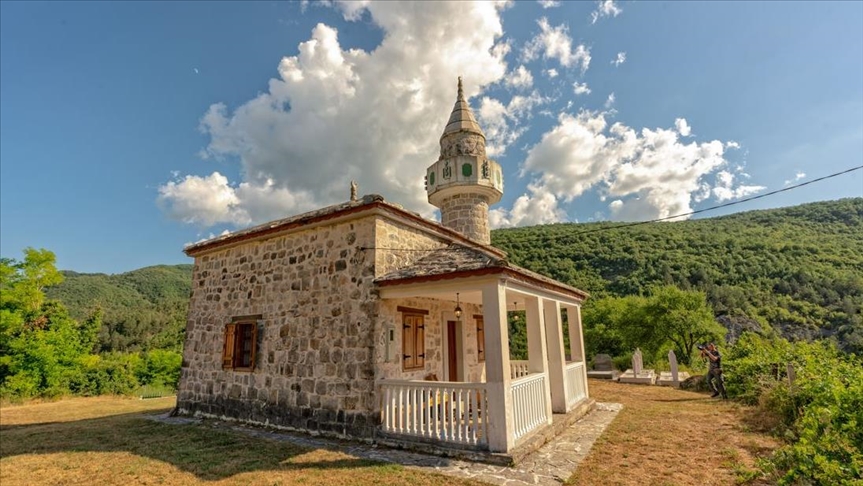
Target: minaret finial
column 460, row 90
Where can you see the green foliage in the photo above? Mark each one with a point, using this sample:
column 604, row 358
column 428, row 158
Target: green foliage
column 821, row 414
column 665, row 318
column 799, row 269
column 45, row 352
column 140, row 310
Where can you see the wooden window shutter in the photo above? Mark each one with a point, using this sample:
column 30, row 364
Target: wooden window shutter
column 254, row 326
column 408, row 351
column 480, row 339
column 420, row 350
column 228, row 347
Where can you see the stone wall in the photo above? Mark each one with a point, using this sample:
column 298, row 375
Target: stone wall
column 314, row 290
column 397, row 245
column 467, row 214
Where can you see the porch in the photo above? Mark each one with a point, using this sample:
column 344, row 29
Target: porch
column 514, row 402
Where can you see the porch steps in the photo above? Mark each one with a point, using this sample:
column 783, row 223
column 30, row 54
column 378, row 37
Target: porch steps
column 529, row 444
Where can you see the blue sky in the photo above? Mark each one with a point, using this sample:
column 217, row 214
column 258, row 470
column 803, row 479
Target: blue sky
column 130, row 129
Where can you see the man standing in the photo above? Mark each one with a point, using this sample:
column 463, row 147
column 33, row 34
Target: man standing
column 714, row 373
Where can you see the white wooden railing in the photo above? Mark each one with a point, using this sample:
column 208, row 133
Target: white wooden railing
column 573, row 382
column 528, row 403
column 444, row 411
column 518, row 369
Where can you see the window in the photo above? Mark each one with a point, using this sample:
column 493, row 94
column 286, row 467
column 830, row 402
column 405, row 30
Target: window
column 241, row 342
column 480, row 338
column 413, row 340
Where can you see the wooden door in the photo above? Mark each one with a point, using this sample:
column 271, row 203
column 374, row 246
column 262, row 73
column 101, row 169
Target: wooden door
column 452, row 351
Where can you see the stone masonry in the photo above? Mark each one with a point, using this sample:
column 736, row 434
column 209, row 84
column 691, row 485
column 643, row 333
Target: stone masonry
column 322, row 327
column 467, row 213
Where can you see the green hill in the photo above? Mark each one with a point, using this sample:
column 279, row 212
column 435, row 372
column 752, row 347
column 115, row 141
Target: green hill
column 143, row 309
column 798, row 269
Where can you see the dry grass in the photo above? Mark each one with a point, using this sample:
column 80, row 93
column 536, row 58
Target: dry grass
column 105, row 440
column 668, row 436
column 663, row 436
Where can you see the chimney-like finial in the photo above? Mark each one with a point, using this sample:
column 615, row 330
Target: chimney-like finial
column 460, row 90
column 353, row 190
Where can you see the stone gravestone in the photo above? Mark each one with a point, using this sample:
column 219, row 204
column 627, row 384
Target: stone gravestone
column 603, row 368
column 637, row 363
column 673, row 377
column 638, row 374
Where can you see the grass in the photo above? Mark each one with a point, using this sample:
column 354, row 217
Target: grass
column 668, row 436
column 662, row 436
column 105, row 440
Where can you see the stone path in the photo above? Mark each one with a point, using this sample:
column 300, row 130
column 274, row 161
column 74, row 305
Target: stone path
column 550, row 465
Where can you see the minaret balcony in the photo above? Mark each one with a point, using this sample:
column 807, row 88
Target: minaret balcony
column 462, row 174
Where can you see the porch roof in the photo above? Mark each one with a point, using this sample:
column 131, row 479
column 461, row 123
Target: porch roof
column 458, row 261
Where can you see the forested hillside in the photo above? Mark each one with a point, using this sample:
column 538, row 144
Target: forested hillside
column 143, row 309
column 798, row 269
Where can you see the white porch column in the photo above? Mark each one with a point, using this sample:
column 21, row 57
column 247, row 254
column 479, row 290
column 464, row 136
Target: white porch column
column 556, row 358
column 576, row 340
column 501, row 430
column 537, row 353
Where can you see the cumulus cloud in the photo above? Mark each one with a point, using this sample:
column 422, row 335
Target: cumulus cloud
column 645, row 174
column 519, row 78
column 555, row 43
column 503, row 124
column 551, row 73
column 683, row 128
column 549, row 3
column 724, row 190
column 335, row 114
column 580, row 88
column 620, row 59
column 605, row 8
column 609, row 102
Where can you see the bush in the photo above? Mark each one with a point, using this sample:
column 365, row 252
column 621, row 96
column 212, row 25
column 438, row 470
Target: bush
column 821, row 414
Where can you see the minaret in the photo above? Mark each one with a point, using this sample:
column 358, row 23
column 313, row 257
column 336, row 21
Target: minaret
column 464, row 182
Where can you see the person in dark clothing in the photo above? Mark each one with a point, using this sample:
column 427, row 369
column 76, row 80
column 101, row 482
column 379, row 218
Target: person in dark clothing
column 714, row 372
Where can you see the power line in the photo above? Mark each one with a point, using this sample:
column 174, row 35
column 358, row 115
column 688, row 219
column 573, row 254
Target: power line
column 720, row 206
column 666, row 218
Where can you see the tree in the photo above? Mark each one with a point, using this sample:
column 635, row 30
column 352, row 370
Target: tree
column 682, row 317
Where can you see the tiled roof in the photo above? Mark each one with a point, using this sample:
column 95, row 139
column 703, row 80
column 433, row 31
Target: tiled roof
column 457, row 260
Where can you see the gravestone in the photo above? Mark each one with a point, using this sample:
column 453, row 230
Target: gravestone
column 638, row 374
column 673, row 377
column 603, row 368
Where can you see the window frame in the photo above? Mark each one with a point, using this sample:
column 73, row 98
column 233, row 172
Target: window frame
column 413, row 337
column 235, row 338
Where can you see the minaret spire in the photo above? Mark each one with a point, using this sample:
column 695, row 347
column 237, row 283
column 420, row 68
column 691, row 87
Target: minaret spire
column 464, row 181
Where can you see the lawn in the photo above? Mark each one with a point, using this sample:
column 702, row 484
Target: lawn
column 105, row 440
column 668, row 436
column 662, row 436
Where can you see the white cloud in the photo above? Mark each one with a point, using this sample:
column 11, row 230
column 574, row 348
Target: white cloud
column 538, row 207
column 724, row 190
column 646, row 174
column 799, row 175
column 549, row 3
column 336, row 114
column 551, row 73
column 605, row 8
column 519, row 78
column 620, row 59
column 609, row 102
column 580, row 88
column 683, row 127
column 555, row 43
column 502, row 123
